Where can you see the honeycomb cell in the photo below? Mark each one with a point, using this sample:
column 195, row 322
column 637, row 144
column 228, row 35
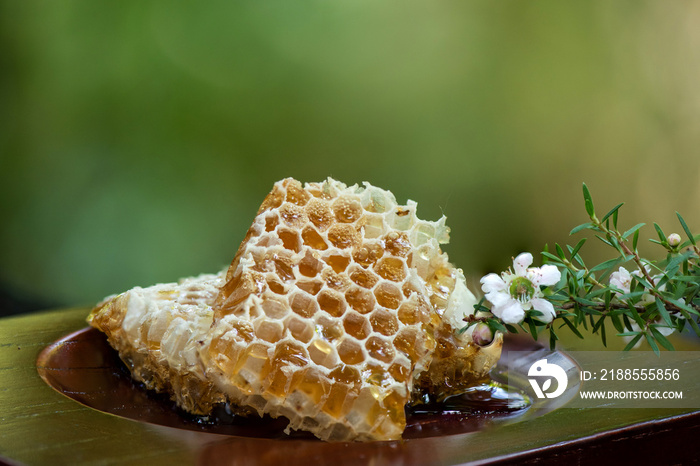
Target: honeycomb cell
column 360, row 299
column 310, row 266
column 290, row 239
column 300, row 330
column 368, row 253
column 401, row 219
column 314, row 385
column 384, row 322
column 337, row 399
column 296, row 194
column 283, row 267
column 323, row 353
column 346, row 375
column 397, row 243
column 379, row 349
column 292, row 215
column 290, row 354
column 337, row 262
column 347, row 210
column 335, row 281
column 242, row 330
column 399, row 372
column 414, row 312
column 313, row 239
column 265, row 241
column 275, row 286
column 424, row 233
column 356, row 325
column 271, row 221
column 375, row 374
column 332, row 302
column 372, row 225
column 343, row 236
column 388, row 295
column 350, row 352
column 406, row 341
column 328, row 329
column 319, row 213
column 364, row 278
column 442, row 282
column 303, row 304
column 252, row 360
column 272, row 200
column 275, row 308
column 391, row 268
column 270, row 331
column 310, row 286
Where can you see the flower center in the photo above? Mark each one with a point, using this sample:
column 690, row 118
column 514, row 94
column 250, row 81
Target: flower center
column 521, row 289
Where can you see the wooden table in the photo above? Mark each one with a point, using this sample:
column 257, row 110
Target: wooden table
column 41, row 426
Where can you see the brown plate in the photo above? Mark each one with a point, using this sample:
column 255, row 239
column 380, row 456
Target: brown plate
column 83, row 366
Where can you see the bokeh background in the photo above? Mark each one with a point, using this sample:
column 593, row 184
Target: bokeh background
column 137, row 139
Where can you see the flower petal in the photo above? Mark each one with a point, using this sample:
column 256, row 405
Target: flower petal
column 547, row 275
column 521, row 263
column 491, row 283
column 498, row 298
column 621, row 280
column 512, row 313
column 545, row 307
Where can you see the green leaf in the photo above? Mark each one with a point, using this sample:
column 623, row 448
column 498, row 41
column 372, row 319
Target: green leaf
column 632, row 230
column 612, row 211
column 686, row 229
column 497, row 325
column 653, row 344
column 572, row 327
column 660, row 232
column 617, row 323
column 694, row 324
column 533, row 328
column 633, row 342
column 586, row 302
column 635, row 240
column 552, row 338
column 560, row 251
column 573, row 251
column 554, row 260
column 607, row 264
column 661, row 339
column 662, row 310
column 588, row 201
column 581, row 227
column 687, row 308
column 643, row 281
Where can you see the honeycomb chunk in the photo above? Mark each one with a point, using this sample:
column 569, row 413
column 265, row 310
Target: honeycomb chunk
column 338, row 309
column 385, row 287
column 158, row 332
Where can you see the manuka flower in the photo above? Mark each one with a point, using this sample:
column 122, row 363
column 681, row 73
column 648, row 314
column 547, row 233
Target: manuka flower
column 514, row 293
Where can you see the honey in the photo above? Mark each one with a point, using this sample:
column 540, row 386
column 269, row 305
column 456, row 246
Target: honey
column 335, row 313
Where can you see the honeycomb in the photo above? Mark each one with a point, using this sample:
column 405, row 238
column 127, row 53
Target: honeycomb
column 338, row 310
column 158, row 331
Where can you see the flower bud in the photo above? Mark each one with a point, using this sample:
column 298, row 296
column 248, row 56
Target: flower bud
column 674, row 239
column 482, row 334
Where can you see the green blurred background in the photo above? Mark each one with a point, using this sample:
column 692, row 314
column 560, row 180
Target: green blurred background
column 137, row 139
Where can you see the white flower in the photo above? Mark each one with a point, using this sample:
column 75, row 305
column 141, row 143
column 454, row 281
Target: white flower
column 622, row 280
column 512, row 294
